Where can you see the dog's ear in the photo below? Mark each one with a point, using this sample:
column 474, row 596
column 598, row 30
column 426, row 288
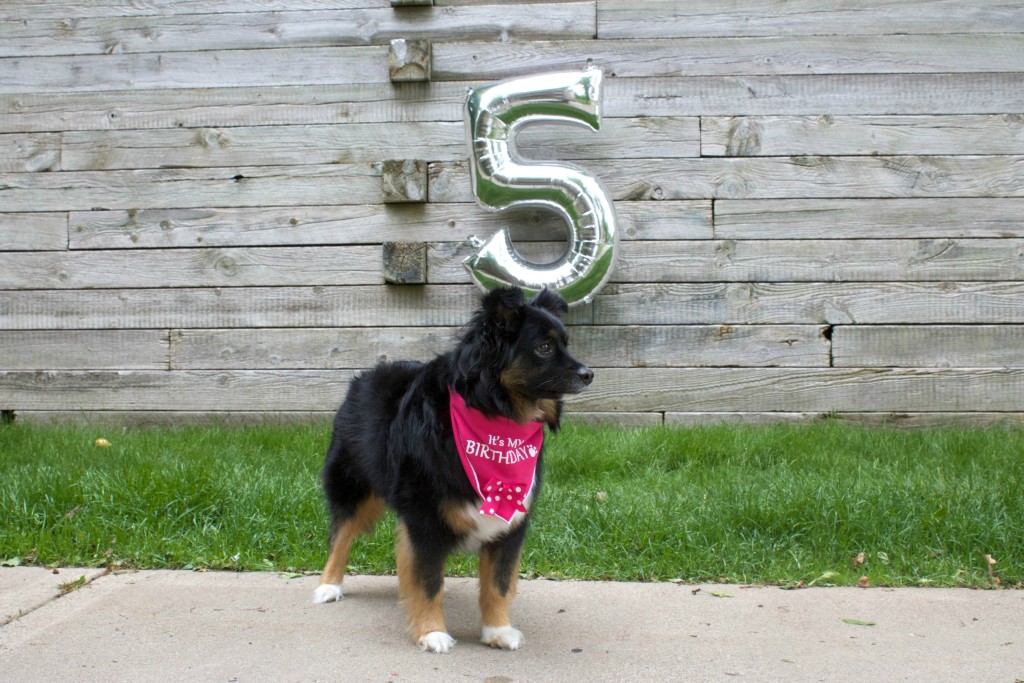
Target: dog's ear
column 503, row 306
column 550, row 301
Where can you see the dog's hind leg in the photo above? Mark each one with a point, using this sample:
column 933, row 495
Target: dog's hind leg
column 345, row 529
column 420, row 587
column 499, row 573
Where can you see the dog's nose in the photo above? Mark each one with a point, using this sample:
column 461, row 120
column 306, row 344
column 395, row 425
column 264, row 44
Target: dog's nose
column 585, row 374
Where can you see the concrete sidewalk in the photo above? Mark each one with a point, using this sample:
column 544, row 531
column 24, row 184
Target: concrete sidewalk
column 186, row 626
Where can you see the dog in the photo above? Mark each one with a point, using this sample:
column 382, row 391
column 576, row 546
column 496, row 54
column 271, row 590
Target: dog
column 396, row 441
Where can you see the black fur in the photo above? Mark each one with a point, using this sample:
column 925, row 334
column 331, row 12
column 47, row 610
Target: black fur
column 393, row 435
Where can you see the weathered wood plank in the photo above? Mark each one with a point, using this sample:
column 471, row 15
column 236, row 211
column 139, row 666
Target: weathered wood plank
column 491, row 61
column 209, row 69
column 851, row 135
column 226, row 107
column 881, row 419
column 700, row 345
column 822, row 302
column 627, row 19
column 460, row 3
column 357, row 224
column 812, row 54
column 31, row 153
column 174, row 418
column 613, row 390
column 179, row 390
column 199, row 307
column 619, row 138
column 692, row 419
column 944, row 346
column 305, row 348
column 780, row 260
column 262, row 145
column 190, row 188
column 620, row 304
column 628, row 346
column 61, row 9
column 927, row 94
column 167, row 418
column 309, row 28
column 625, row 420
column 178, row 418
column 869, row 218
column 798, row 390
column 220, row 267
column 947, row 93
column 84, row 350
column 634, row 138
column 38, row 231
column 783, row 177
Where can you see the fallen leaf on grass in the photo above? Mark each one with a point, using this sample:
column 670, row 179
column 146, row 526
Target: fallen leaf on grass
column 864, row 582
column 859, row 560
column 858, row 622
column 996, row 581
column 827, row 576
column 102, row 443
column 11, row 562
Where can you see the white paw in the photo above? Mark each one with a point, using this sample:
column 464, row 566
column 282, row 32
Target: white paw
column 505, row 637
column 437, row 642
column 327, row 592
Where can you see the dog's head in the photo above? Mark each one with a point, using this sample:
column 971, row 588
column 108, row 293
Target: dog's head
column 514, row 359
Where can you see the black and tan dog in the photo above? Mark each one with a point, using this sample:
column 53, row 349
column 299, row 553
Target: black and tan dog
column 394, row 444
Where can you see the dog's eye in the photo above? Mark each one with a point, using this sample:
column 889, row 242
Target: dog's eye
column 545, row 349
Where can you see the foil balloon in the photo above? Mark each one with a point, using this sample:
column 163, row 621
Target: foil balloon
column 503, row 180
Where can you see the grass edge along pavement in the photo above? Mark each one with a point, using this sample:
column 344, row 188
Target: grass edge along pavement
column 822, row 504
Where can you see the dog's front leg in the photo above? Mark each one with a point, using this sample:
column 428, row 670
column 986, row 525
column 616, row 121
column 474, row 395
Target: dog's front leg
column 420, row 584
column 499, row 573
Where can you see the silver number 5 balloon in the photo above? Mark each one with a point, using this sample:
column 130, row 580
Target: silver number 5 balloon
column 502, row 180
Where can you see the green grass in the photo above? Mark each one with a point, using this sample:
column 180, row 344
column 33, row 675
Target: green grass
column 778, row 505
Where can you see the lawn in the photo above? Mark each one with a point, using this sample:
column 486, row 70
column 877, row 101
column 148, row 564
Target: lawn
column 791, row 505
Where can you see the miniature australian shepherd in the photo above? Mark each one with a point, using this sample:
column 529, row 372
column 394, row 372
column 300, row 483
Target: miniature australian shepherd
column 454, row 447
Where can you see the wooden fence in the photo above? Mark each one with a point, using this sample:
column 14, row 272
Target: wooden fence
column 822, row 203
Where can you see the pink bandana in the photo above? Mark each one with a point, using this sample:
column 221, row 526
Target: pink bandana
column 499, row 456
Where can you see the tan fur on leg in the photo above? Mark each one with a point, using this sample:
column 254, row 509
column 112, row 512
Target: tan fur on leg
column 367, row 513
column 426, row 615
column 494, row 605
column 497, row 631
